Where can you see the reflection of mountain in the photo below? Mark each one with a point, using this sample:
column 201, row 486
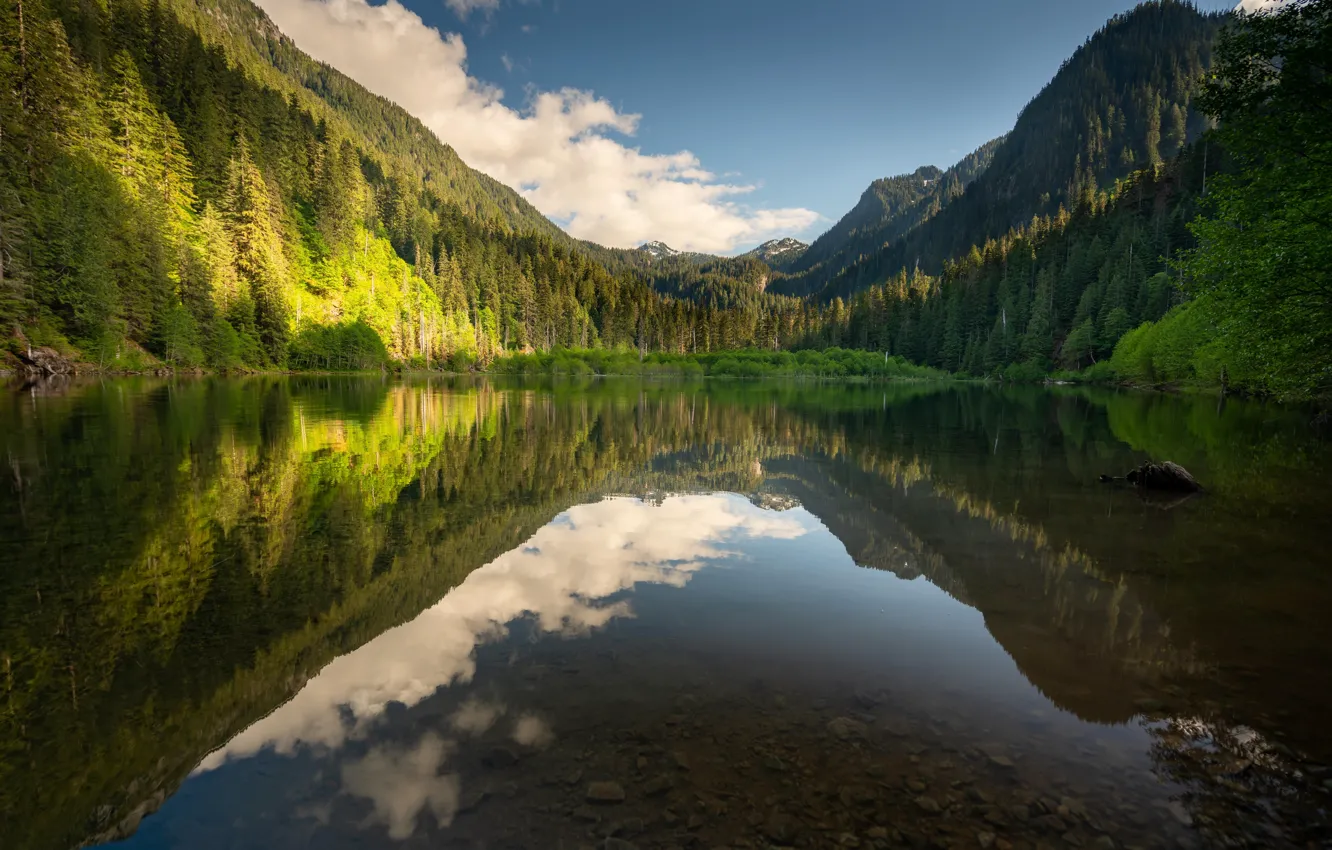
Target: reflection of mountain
column 201, row 550
column 1084, row 641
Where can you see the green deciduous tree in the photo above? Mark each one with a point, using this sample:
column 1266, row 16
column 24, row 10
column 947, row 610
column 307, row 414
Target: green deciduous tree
column 1265, row 253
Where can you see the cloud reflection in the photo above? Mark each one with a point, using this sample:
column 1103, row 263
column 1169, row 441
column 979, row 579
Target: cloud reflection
column 561, row 577
column 475, row 716
column 401, row 782
column 532, row 731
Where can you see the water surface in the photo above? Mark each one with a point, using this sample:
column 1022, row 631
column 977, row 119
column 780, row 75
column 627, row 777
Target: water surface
column 358, row 612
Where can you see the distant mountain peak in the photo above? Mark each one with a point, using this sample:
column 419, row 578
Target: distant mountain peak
column 773, row 247
column 777, row 251
column 658, row 250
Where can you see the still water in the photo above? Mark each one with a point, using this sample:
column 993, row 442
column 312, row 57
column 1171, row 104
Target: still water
column 362, row 613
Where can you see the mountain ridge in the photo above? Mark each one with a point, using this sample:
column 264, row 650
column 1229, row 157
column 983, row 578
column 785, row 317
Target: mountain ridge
column 890, row 207
column 1121, row 101
column 779, row 253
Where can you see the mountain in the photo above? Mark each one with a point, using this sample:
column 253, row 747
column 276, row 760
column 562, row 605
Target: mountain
column 779, row 253
column 181, row 186
column 655, row 250
column 658, row 250
column 1060, row 293
column 1122, row 102
column 249, row 38
column 889, row 208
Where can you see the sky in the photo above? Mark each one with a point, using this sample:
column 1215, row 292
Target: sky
column 710, row 125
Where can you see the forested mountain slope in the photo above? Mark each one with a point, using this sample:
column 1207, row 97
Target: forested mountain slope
column 250, row 39
column 179, row 185
column 1122, row 102
column 888, row 209
column 1059, row 293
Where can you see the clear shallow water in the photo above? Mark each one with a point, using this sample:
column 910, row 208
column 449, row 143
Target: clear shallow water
column 333, row 613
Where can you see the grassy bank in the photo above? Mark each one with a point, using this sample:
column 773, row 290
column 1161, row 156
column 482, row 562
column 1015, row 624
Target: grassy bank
column 835, row 363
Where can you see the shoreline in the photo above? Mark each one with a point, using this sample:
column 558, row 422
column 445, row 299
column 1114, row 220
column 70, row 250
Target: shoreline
column 1321, row 407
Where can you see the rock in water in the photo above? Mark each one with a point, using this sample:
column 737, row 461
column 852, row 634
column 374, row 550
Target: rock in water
column 38, row 362
column 605, row 792
column 846, row 728
column 1166, row 476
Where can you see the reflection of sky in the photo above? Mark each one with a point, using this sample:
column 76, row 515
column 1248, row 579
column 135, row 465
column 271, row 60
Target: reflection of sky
column 587, row 554
column 561, row 578
column 791, row 606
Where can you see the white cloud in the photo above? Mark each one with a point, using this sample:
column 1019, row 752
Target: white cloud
column 463, row 8
column 558, row 150
column 506, row 62
column 561, row 576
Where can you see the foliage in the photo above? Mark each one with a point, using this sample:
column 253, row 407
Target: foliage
column 829, row 363
column 1058, row 293
column 1264, row 259
column 177, row 177
column 1181, row 350
column 346, row 347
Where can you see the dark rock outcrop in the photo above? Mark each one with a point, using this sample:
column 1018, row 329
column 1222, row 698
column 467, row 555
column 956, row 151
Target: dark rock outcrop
column 44, row 362
column 1167, row 477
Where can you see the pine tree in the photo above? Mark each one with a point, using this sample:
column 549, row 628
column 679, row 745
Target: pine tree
column 258, row 255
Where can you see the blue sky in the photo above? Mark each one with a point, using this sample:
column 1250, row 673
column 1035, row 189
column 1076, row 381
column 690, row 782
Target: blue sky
column 795, row 106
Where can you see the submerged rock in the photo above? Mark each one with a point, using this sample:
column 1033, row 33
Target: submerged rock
column 846, row 728
column 1165, row 477
column 928, row 805
column 605, row 792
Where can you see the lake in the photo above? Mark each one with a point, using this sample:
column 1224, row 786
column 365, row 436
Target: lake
column 363, row 612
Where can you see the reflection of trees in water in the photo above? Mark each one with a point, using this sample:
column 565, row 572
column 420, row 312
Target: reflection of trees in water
column 1241, row 788
column 188, row 554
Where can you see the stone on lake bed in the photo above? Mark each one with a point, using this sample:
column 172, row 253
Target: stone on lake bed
column 605, row 792
column 897, row 728
column 846, row 728
column 629, row 826
column 928, row 805
column 1179, row 813
column 1074, row 806
column 868, row 698
column 658, row 785
column 1052, row 823
column 778, row 826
